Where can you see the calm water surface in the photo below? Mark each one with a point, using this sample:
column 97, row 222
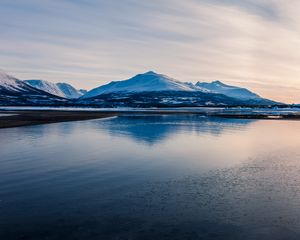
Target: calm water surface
column 151, row 177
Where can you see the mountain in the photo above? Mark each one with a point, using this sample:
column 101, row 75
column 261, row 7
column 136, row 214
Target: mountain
column 69, row 91
column 146, row 82
column 143, row 90
column 151, row 89
column 16, row 92
column 231, row 91
column 64, row 90
column 82, row 91
column 154, row 82
column 46, row 86
column 160, row 99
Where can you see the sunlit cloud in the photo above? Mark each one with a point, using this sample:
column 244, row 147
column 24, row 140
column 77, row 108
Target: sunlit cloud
column 252, row 43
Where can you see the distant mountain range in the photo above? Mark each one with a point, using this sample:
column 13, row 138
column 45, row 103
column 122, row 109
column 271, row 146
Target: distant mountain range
column 231, row 91
column 16, row 92
column 64, row 90
column 149, row 89
column 147, row 82
column 153, row 82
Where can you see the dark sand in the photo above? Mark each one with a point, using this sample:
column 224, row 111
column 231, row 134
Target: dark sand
column 25, row 118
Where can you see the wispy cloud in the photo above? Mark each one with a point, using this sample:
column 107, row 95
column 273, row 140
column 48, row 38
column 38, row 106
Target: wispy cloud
column 87, row 43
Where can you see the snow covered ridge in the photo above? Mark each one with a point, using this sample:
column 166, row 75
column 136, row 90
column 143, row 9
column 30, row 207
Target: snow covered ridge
column 147, row 82
column 231, row 91
column 154, row 82
column 143, row 90
column 10, row 83
column 14, row 92
column 64, row 90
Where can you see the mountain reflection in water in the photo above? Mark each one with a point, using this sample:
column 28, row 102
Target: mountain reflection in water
column 150, row 177
column 152, row 129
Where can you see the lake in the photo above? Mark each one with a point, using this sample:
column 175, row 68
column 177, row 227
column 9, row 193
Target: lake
column 151, row 177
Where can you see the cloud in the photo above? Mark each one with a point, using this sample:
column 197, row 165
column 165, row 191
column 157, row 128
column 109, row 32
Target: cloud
column 88, row 43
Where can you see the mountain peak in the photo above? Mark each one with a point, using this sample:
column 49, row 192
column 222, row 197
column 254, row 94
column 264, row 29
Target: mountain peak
column 64, row 90
column 218, row 82
column 231, row 91
column 8, row 81
column 145, row 82
column 151, row 73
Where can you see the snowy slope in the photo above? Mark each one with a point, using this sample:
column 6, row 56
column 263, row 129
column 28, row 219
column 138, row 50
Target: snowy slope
column 64, row 90
column 46, row 86
column 144, row 90
column 231, row 91
column 10, row 83
column 16, row 92
column 146, row 82
column 69, row 91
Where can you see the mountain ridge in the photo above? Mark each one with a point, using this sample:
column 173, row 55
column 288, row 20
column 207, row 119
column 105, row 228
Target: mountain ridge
column 232, row 91
column 145, row 82
column 16, row 92
column 60, row 89
column 148, row 89
column 153, row 82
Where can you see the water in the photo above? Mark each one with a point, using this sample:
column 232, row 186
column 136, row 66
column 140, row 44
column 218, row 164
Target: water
column 151, row 177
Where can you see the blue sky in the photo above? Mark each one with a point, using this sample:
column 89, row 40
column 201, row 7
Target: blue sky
column 252, row 43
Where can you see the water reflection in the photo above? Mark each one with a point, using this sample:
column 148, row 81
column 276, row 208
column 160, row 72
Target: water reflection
column 151, row 177
column 152, row 129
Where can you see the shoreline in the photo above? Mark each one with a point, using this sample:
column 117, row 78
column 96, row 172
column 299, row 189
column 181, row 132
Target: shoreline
column 29, row 118
column 26, row 117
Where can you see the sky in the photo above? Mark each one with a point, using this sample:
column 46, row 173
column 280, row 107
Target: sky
column 87, row 43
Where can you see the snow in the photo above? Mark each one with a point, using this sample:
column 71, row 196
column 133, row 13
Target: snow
column 151, row 81
column 10, row 83
column 64, row 90
column 231, row 91
column 147, row 82
column 46, row 86
column 69, row 91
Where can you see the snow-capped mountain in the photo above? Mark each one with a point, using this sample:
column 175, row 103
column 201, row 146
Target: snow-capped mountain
column 154, row 82
column 10, row 84
column 231, row 91
column 146, row 82
column 64, row 90
column 45, row 86
column 16, row 92
column 151, row 89
column 69, row 91
column 160, row 99
column 143, row 90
